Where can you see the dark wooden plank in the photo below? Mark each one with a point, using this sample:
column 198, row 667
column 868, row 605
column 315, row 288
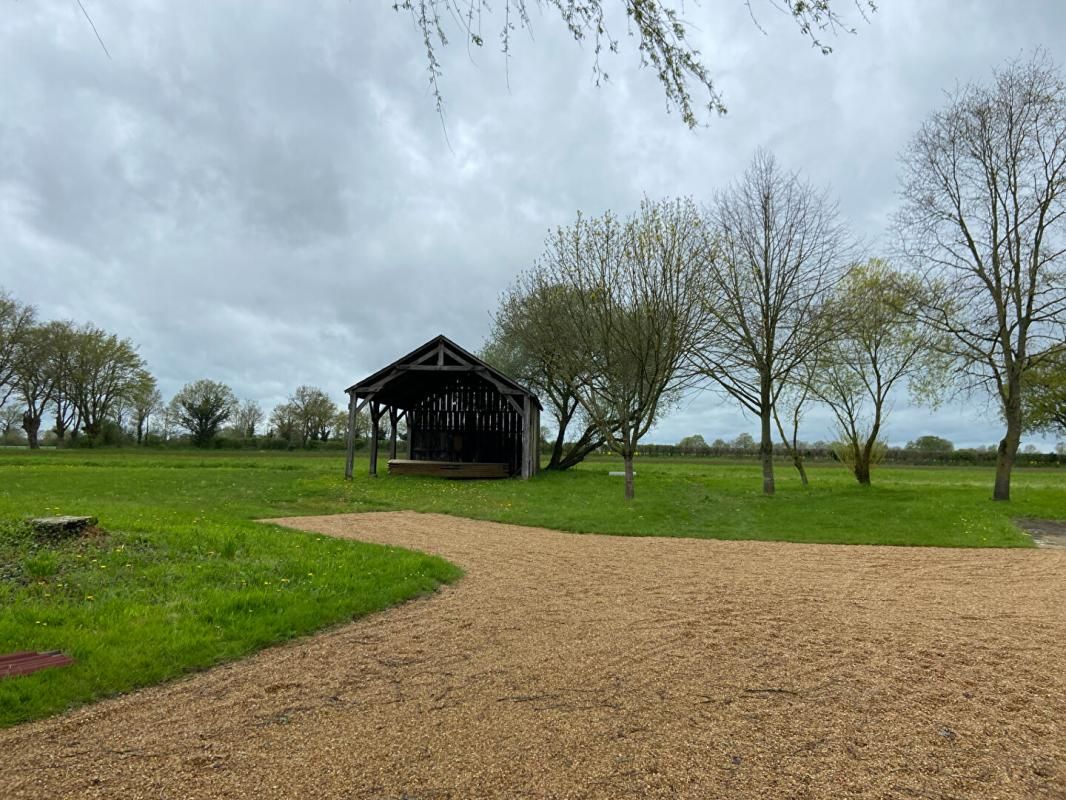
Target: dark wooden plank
column 448, row 469
column 28, row 662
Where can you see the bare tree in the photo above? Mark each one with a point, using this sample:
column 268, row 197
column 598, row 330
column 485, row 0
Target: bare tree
column 248, row 417
column 983, row 184
column 792, row 403
column 145, row 400
column 881, row 345
column 782, row 249
column 659, row 26
column 523, row 345
column 630, row 308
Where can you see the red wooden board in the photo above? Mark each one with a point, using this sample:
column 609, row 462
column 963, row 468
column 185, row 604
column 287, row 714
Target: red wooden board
column 26, row 662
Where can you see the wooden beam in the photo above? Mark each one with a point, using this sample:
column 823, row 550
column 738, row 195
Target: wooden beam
column 375, row 419
column 506, row 391
column 536, row 440
column 349, row 453
column 393, row 419
column 525, row 437
column 436, row 368
column 455, row 356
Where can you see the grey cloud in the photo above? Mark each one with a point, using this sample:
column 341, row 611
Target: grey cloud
column 265, row 194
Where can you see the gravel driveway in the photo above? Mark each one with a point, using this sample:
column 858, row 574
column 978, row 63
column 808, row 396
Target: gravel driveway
column 595, row 666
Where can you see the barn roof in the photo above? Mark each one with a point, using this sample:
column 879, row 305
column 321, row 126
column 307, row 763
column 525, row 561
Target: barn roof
column 438, row 361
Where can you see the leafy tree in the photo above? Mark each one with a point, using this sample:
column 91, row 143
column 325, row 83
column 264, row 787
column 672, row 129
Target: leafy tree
column 103, row 371
column 523, row 345
column 247, row 418
column 880, row 345
column 201, row 407
column 1045, row 393
column 629, row 295
column 16, row 320
column 781, row 251
column 285, row 422
column 744, row 441
column 35, row 377
column 931, row 444
column 315, row 413
column 693, row 444
column 984, row 187
column 858, row 457
column 10, row 422
column 340, row 424
column 64, row 401
column 660, row 27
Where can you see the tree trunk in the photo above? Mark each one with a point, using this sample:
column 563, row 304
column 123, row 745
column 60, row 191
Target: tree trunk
column 628, row 459
column 766, row 450
column 557, row 448
column 32, row 425
column 792, row 448
column 589, row 442
column 140, row 430
column 797, row 460
column 1008, row 445
column 862, row 468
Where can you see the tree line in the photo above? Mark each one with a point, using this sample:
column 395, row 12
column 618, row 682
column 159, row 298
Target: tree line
column 95, row 388
column 763, row 295
column 79, row 375
column 924, row 450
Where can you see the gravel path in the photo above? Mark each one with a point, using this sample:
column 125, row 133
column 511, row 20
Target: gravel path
column 602, row 667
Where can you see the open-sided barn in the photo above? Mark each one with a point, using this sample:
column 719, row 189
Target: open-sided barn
column 465, row 419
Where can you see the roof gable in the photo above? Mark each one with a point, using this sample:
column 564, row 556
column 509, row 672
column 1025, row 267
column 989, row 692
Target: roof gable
column 439, row 355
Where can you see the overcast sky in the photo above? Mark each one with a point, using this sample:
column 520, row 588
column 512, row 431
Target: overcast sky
column 264, row 194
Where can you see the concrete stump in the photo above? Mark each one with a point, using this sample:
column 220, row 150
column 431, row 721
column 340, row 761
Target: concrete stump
column 64, row 527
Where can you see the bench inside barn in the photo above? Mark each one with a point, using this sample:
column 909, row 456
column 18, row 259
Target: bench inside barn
column 447, row 469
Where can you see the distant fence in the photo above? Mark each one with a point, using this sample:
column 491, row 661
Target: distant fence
column 894, row 455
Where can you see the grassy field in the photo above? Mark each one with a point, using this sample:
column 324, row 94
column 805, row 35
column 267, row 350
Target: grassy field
column 185, row 578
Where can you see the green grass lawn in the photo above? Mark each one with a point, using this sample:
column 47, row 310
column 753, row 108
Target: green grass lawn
column 185, row 578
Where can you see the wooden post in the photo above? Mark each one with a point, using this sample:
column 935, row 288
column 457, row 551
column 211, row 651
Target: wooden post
column 349, row 456
column 525, row 437
column 393, row 420
column 536, row 440
column 375, row 418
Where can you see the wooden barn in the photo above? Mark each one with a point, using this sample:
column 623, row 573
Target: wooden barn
column 464, row 418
